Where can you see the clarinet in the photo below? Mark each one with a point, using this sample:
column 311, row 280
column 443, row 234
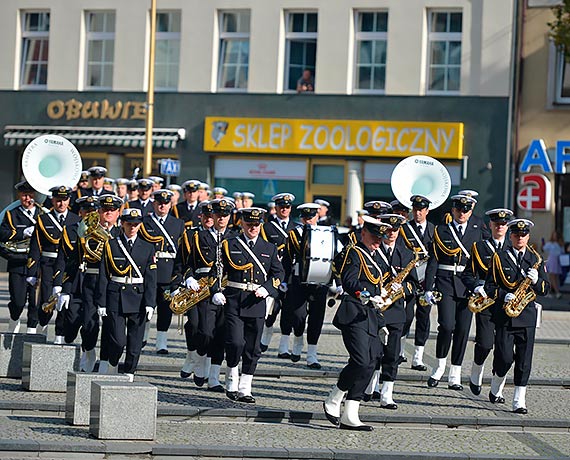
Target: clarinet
column 219, row 264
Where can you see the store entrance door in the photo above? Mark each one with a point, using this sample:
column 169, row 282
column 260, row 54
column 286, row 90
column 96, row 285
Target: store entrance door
column 327, row 181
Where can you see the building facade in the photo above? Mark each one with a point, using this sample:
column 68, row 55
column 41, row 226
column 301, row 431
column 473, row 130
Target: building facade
column 318, row 98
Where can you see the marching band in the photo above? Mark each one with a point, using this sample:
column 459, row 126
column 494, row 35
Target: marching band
column 106, row 259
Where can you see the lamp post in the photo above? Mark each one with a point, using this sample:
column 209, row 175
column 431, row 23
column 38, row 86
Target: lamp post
column 147, row 165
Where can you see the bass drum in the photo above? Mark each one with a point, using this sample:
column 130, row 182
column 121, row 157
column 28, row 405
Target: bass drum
column 318, row 249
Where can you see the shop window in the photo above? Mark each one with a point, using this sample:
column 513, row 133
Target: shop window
column 136, row 160
column 444, row 52
column 100, row 49
column 371, row 43
column 328, row 174
column 300, row 48
column 234, row 51
column 35, row 47
column 167, row 56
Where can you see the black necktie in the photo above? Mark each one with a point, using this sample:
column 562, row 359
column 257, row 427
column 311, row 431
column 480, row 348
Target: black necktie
column 130, row 245
column 421, row 232
column 161, row 220
column 499, row 246
column 460, row 231
column 519, row 258
column 30, row 213
column 250, row 243
column 389, row 254
column 191, row 209
column 61, row 219
column 283, row 224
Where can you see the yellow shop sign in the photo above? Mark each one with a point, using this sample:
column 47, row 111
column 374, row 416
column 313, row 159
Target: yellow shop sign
column 333, row 137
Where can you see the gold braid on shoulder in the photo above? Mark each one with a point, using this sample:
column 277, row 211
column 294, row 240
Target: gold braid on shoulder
column 111, row 266
column 498, row 268
column 196, row 241
column 476, row 259
column 443, row 248
column 235, row 266
column 45, row 232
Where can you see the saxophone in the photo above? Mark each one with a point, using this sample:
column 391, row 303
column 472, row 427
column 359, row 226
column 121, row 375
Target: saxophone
column 477, row 303
column 392, row 296
column 514, row 308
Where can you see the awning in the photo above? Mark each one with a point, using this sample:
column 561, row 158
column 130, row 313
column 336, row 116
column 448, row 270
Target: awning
column 100, row 137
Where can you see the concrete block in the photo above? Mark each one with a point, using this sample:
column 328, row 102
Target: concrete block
column 78, row 398
column 122, row 410
column 45, row 366
column 12, row 351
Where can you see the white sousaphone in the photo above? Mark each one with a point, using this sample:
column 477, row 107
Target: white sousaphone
column 48, row 161
column 421, row 175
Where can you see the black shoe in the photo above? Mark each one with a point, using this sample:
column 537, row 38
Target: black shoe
column 432, row 383
column 376, row 396
column 314, row 366
column 233, row 395
column 496, row 399
column 475, row 389
column 295, row 358
column 455, row 386
column 199, row 381
column 283, row 355
column 162, row 351
column 392, row 406
column 143, row 344
column 185, row 375
column 263, row 348
column 402, row 359
column 366, row 397
column 521, row 410
column 246, row 399
column 216, row 389
column 342, row 426
column 331, row 418
column 419, row 367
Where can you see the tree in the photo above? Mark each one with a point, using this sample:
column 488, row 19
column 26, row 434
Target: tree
column 560, row 28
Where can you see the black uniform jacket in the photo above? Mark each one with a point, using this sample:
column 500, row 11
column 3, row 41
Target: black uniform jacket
column 152, row 233
column 410, row 237
column 445, row 251
column 504, row 276
column 181, row 211
column 482, row 253
column 145, row 208
column 46, row 239
column 12, row 229
column 121, row 297
column 242, row 268
column 273, row 232
column 358, row 274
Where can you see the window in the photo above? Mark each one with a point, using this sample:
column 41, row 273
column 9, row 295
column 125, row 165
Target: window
column 100, row 49
column 371, row 36
column 444, row 69
column 562, row 95
column 35, row 47
column 167, row 50
column 301, row 47
column 234, row 51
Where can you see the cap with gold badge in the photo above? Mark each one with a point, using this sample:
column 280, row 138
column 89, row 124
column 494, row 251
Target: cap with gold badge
column 61, row 192
column 252, row 215
column 520, row 226
column 222, row 206
column 500, row 215
column 163, row 196
column 110, row 201
column 132, row 215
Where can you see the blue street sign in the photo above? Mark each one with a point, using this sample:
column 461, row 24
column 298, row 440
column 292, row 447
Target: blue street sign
column 170, row 167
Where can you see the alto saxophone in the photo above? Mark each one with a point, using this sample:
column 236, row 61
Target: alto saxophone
column 477, row 303
column 392, row 294
column 523, row 296
column 49, row 305
column 437, row 296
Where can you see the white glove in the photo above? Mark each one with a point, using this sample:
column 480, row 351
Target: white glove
column 31, row 280
column 509, row 296
column 56, row 290
column 377, row 301
column 261, row 292
column 364, row 297
column 383, row 333
column 28, row 231
column 191, row 283
column 149, row 313
column 219, row 299
column 62, row 302
column 396, row 287
column 102, row 311
column 480, row 290
column 339, row 291
column 430, row 298
column 283, row 287
column 532, row 275
column 384, row 292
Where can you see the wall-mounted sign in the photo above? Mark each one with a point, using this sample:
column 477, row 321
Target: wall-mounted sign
column 534, row 193
column 536, row 155
column 73, row 109
column 333, row 137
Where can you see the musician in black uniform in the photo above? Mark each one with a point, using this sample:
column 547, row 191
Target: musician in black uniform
column 514, row 335
column 360, row 322
column 182, row 274
column 324, row 218
column 122, row 188
column 144, row 201
column 448, row 257
column 78, row 270
column 43, row 254
column 97, row 179
column 188, row 209
column 276, row 231
column 82, row 184
column 163, row 230
column 475, row 220
column 474, row 277
column 418, row 234
column 126, row 291
column 17, row 227
column 254, row 273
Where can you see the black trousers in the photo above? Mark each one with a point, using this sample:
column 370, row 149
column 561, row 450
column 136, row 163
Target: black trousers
column 484, row 336
column 72, row 321
column 391, row 352
column 46, row 287
column 514, row 344
column 20, row 293
column 132, row 339
column 302, row 300
column 191, row 329
column 243, row 340
column 270, row 320
column 454, row 320
column 90, row 317
column 163, row 311
column 363, row 349
column 410, row 304
column 423, row 325
column 210, row 337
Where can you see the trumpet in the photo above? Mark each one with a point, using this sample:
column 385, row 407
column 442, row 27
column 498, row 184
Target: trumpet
column 424, row 303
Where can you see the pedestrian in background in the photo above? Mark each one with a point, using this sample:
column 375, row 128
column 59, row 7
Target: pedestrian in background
column 553, row 249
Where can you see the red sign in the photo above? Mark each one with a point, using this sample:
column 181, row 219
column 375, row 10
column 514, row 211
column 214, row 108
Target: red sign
column 534, row 193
